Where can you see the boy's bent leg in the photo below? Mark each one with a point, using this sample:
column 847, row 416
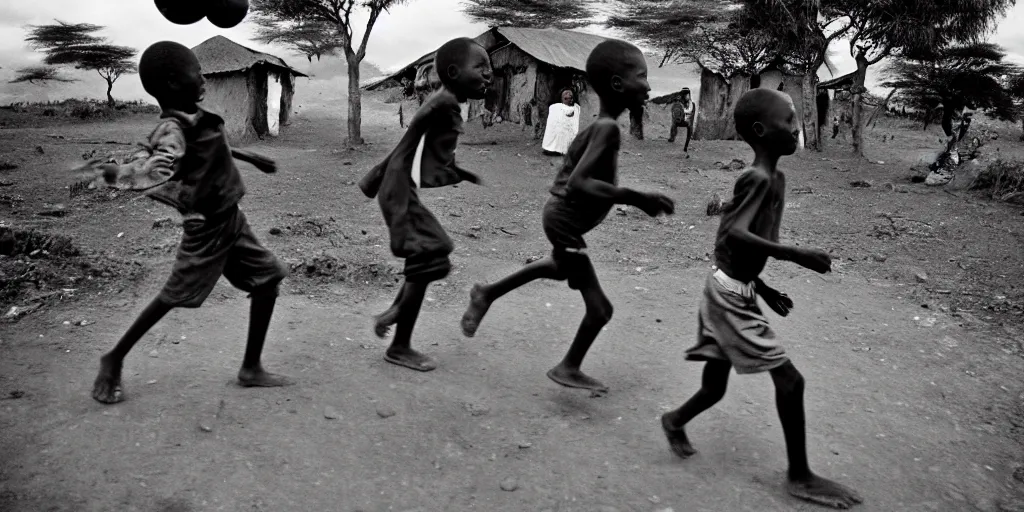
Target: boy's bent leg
column 261, row 309
column 483, row 295
column 400, row 352
column 107, row 387
column 712, row 389
column 804, row 484
column 598, row 314
column 382, row 323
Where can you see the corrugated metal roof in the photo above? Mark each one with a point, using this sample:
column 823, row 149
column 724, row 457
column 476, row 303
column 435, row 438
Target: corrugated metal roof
column 561, row 48
column 219, row 54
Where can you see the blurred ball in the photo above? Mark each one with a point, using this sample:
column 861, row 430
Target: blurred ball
column 182, row 12
column 227, row 13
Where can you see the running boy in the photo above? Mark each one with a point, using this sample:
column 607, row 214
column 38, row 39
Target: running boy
column 584, row 192
column 190, row 167
column 425, row 158
column 732, row 332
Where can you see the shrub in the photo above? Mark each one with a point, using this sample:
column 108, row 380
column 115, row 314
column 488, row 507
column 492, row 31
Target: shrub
column 1002, row 180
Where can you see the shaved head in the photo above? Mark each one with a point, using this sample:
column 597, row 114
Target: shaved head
column 609, row 59
column 764, row 106
column 453, row 53
column 162, row 63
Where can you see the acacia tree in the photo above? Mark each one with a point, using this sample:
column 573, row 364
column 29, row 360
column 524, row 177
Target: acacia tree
column 564, row 14
column 954, row 77
column 73, row 44
column 879, row 29
column 39, row 75
column 310, row 39
column 335, row 18
column 665, row 25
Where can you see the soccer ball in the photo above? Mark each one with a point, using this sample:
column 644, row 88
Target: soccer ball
column 182, row 12
column 227, row 13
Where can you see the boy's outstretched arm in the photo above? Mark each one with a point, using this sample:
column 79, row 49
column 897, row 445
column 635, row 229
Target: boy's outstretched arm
column 165, row 149
column 257, row 160
column 752, row 190
column 602, row 151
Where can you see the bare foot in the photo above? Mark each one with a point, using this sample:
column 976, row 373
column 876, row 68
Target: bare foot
column 107, row 387
column 260, row 378
column 574, row 378
column 823, row 491
column 410, row 358
column 677, row 439
column 382, row 323
column 478, row 306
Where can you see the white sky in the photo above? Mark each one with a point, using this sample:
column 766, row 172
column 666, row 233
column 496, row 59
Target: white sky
column 399, row 37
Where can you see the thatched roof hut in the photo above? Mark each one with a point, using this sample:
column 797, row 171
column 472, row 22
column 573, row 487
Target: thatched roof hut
column 530, row 66
column 252, row 90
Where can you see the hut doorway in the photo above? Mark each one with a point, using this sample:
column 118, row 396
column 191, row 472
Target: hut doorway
column 274, row 103
column 498, row 101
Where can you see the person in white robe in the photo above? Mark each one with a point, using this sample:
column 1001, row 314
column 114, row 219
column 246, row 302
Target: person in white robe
column 563, row 124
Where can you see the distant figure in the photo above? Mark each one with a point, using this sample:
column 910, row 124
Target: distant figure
column 684, row 111
column 965, row 124
column 733, row 333
column 835, row 126
column 563, row 124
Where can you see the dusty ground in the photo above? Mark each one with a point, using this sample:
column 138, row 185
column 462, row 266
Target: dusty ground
column 914, row 389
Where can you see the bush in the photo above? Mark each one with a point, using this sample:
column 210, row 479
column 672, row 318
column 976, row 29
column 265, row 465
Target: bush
column 1002, row 180
column 84, row 109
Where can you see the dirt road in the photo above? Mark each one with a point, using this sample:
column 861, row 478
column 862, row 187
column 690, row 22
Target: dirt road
column 904, row 403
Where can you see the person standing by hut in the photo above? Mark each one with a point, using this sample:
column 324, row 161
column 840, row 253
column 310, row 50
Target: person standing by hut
column 684, row 110
column 563, row 124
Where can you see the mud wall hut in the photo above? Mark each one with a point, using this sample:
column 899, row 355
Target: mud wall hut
column 530, row 66
column 718, row 97
column 251, row 90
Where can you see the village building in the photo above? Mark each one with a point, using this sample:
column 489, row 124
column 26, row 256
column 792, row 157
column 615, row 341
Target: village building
column 251, row 90
column 530, row 66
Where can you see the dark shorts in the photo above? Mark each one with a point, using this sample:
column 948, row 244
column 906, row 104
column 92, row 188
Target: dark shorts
column 565, row 226
column 221, row 246
column 423, row 242
column 732, row 328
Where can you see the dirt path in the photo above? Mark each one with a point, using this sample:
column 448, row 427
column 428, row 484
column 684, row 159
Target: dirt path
column 916, row 415
column 901, row 422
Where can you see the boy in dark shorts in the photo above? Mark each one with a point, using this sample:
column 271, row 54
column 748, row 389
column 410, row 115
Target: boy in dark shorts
column 732, row 332
column 425, row 158
column 584, row 192
column 189, row 166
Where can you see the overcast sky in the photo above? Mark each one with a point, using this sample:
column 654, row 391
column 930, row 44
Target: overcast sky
column 399, row 37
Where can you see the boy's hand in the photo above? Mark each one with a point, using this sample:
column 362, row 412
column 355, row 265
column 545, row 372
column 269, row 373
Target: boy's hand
column 655, row 204
column 814, row 259
column 778, row 301
column 264, row 164
column 468, row 176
